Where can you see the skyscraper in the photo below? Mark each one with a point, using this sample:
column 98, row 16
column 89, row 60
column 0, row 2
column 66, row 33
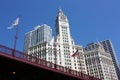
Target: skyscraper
column 107, row 44
column 65, row 45
column 99, row 63
column 40, row 34
column 37, row 43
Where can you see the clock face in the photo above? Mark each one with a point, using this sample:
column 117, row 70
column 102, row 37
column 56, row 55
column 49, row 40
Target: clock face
column 63, row 23
column 63, row 18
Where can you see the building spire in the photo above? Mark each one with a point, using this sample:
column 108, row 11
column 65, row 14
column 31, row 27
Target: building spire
column 60, row 12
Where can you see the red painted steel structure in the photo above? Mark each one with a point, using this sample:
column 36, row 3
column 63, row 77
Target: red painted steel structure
column 20, row 56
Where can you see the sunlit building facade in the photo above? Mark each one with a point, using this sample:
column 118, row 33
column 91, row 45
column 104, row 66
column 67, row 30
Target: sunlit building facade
column 99, row 63
column 65, row 45
column 108, row 47
column 60, row 51
column 40, row 34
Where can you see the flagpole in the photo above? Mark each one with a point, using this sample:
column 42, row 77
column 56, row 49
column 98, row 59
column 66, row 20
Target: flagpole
column 15, row 41
column 15, row 24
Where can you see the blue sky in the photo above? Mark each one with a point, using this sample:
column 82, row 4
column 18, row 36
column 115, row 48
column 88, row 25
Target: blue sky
column 90, row 20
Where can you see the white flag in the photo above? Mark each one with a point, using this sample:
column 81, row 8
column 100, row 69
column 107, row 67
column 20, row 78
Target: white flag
column 14, row 23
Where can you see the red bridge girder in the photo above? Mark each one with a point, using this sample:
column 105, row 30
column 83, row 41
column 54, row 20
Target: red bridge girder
column 21, row 66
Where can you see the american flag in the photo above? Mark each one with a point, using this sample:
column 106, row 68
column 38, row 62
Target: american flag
column 74, row 54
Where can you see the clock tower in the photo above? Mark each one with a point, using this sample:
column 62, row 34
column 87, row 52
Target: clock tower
column 63, row 41
column 65, row 46
column 62, row 28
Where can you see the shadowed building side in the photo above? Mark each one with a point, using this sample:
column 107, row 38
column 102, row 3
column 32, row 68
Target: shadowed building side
column 16, row 70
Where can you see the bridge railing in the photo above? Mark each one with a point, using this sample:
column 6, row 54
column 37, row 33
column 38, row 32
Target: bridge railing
column 41, row 62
